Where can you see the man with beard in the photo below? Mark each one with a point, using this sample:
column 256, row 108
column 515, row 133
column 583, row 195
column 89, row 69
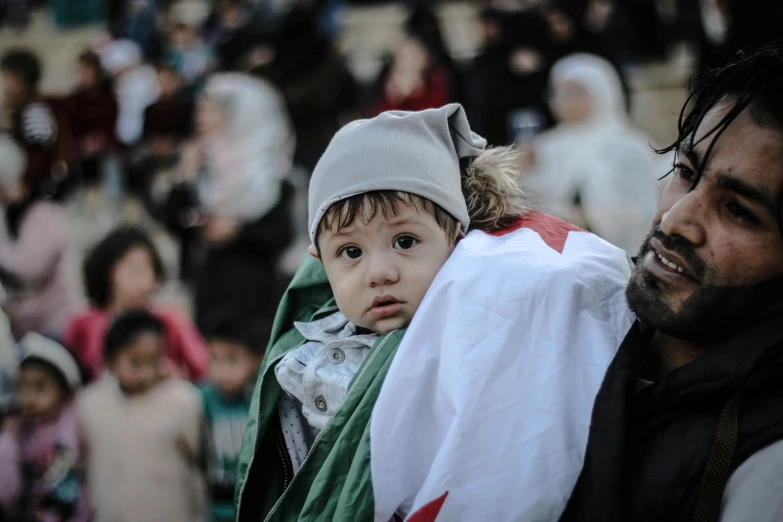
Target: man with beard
column 687, row 424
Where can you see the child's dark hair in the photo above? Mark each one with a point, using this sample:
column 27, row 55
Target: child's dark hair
column 48, row 367
column 239, row 328
column 126, row 328
column 490, row 186
column 100, row 263
column 93, row 61
column 24, row 64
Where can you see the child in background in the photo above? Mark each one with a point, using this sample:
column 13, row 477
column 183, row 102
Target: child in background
column 189, row 55
column 143, row 431
column 92, row 112
column 237, row 347
column 168, row 121
column 37, row 123
column 135, row 86
column 37, row 270
column 123, row 273
column 41, row 451
column 167, row 124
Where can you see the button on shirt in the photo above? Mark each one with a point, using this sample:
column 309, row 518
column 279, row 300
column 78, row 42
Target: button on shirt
column 318, row 372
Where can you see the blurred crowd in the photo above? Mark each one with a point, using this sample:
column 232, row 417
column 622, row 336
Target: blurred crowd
column 204, row 135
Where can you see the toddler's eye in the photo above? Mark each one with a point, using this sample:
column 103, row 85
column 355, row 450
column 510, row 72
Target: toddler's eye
column 351, row 252
column 405, row 242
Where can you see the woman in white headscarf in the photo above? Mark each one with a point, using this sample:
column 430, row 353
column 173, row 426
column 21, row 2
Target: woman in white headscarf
column 594, row 168
column 248, row 145
column 239, row 163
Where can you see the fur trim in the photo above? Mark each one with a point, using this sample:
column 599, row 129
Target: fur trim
column 492, row 191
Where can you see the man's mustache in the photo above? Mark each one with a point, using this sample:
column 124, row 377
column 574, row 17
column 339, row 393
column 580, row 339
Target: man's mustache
column 680, row 246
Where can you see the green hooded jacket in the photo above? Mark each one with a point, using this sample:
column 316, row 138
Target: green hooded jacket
column 334, row 482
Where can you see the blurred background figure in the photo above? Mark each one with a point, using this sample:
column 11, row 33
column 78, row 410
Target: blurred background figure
column 40, row 445
column 123, row 272
column 320, row 91
column 37, row 123
column 137, row 21
column 230, row 34
column 168, row 124
column 189, row 55
column 15, row 14
column 238, row 169
column 144, row 430
column 36, row 270
column 237, row 344
column 92, row 114
column 135, row 85
column 421, row 74
column 594, row 168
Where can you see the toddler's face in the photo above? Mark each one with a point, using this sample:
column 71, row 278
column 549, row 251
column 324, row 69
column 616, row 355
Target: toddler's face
column 233, row 366
column 40, row 394
column 380, row 271
column 139, row 366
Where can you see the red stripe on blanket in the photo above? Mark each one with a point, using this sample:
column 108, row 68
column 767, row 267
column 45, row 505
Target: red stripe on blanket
column 553, row 231
column 429, row 511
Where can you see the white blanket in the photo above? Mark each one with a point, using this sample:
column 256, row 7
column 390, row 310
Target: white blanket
column 484, row 413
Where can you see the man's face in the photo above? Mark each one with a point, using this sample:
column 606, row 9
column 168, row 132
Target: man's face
column 379, row 271
column 713, row 262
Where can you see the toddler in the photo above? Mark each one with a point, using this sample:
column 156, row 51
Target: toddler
column 143, row 431
column 389, row 200
column 40, row 449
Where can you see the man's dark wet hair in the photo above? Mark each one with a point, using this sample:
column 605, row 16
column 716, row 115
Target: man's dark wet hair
column 100, row 262
column 25, row 65
column 126, row 328
column 754, row 81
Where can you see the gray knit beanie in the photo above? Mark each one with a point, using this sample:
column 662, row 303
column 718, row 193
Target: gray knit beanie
column 414, row 152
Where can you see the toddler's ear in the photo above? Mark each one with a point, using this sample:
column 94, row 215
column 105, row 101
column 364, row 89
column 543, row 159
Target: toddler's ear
column 313, row 251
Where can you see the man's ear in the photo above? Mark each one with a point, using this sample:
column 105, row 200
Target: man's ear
column 313, row 251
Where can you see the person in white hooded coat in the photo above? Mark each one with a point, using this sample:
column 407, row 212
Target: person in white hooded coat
column 594, row 168
column 239, row 165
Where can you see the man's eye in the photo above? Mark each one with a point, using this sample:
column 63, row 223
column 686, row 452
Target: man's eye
column 741, row 213
column 684, row 173
column 350, row 252
column 405, row 242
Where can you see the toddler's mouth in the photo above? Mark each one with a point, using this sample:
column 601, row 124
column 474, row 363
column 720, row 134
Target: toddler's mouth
column 385, row 306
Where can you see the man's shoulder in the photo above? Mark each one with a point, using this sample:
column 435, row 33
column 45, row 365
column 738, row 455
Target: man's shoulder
column 754, row 490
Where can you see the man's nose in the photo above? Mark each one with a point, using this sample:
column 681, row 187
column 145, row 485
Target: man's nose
column 685, row 218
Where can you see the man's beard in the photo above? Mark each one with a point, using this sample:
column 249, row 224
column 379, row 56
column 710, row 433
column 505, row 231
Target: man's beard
column 713, row 312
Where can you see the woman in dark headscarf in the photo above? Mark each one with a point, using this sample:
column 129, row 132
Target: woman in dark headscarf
column 509, row 80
